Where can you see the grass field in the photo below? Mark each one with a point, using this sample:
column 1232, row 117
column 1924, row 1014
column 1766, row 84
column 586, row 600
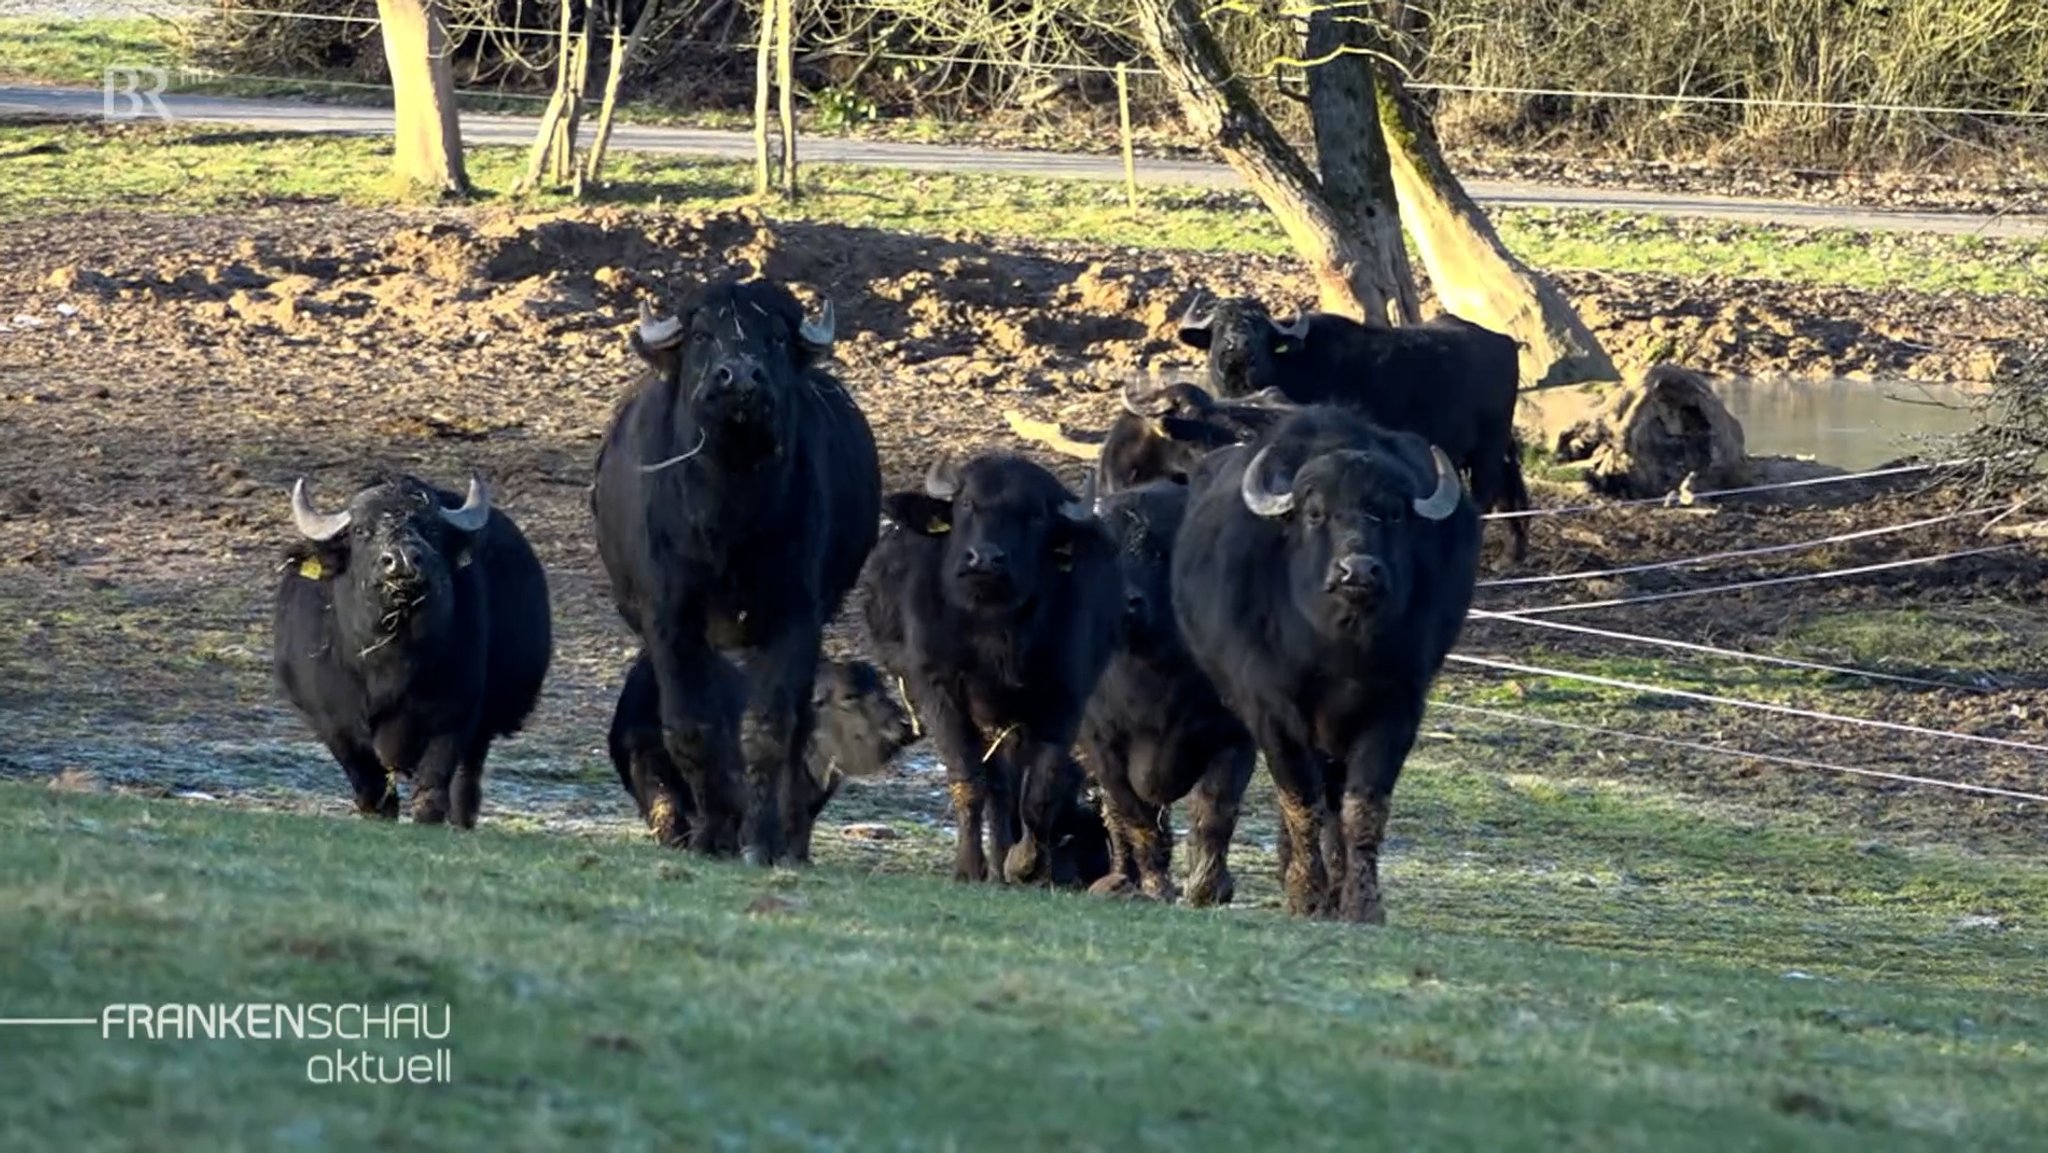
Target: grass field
column 1572, row 965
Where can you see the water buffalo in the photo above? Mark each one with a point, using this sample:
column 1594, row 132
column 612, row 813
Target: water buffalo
column 860, row 729
column 736, row 496
column 995, row 596
column 1154, row 730
column 411, row 629
column 1162, row 433
column 1321, row 575
column 1449, row 381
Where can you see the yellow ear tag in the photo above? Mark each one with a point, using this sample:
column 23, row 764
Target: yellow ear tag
column 1282, row 349
column 312, row 569
column 937, row 526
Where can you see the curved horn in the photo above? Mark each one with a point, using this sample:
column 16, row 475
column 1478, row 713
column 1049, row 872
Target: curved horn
column 1295, row 329
column 475, row 510
column 818, row 333
column 1444, row 501
column 1153, row 404
column 657, row 331
column 314, row 524
column 1259, row 498
column 1194, row 318
column 941, row 481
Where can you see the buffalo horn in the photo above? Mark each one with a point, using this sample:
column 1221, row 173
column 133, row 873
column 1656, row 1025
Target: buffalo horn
column 1195, row 320
column 818, row 333
column 1444, row 501
column 314, row 524
column 475, row 510
column 1294, row 329
column 1259, row 498
column 657, row 331
column 941, row 481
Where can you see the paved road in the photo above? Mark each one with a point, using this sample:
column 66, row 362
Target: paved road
column 298, row 116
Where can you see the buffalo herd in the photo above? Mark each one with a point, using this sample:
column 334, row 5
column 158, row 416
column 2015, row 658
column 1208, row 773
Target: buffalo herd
column 1272, row 566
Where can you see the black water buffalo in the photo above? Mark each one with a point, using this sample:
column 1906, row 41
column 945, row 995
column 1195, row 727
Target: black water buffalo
column 1162, row 433
column 411, row 629
column 736, row 496
column 1155, row 730
column 994, row 596
column 860, row 729
column 1447, row 380
column 1320, row 577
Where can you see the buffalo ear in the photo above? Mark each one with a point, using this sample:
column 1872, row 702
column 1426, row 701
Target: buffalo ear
column 1194, row 336
column 316, row 562
column 921, row 514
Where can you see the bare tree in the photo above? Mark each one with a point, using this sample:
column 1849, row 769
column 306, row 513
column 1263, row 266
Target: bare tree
column 1474, row 274
column 1342, row 43
column 1352, row 277
column 427, row 150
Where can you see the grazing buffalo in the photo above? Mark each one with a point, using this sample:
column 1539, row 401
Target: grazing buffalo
column 1447, row 380
column 860, row 729
column 411, row 629
column 995, row 597
column 736, row 496
column 1321, row 575
column 1155, row 730
column 1161, row 434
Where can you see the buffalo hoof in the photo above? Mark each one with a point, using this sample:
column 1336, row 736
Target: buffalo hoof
column 1025, row 864
column 1207, row 892
column 1113, row 885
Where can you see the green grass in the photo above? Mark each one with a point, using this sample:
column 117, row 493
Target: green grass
column 1571, row 964
column 78, row 52
column 85, row 167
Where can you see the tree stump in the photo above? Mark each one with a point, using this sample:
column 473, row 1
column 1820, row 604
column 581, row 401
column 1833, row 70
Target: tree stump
column 1665, row 432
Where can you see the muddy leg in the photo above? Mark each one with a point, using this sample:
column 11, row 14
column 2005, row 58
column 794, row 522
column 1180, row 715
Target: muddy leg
column 958, row 744
column 1150, row 840
column 779, row 686
column 376, row 791
column 1374, row 765
column 430, row 801
column 1299, row 787
column 1212, row 810
column 1050, row 784
column 701, row 696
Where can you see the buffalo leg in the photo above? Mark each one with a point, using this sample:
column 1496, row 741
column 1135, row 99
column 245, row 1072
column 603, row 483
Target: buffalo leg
column 698, row 708
column 466, row 792
column 1002, row 776
column 1047, row 786
column 1108, row 762
column 663, row 796
column 1298, row 784
column 430, row 800
column 778, row 690
column 1150, row 834
column 958, row 744
column 1374, row 765
column 1212, row 810
column 375, row 791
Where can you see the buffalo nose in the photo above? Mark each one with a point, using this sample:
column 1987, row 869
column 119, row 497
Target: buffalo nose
column 736, row 374
column 397, row 562
column 983, row 560
column 1134, row 602
column 1355, row 572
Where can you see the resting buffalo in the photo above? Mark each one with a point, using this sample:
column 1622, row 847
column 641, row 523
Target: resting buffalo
column 411, row 629
column 860, row 729
column 736, row 496
column 1162, row 433
column 1322, row 574
column 1447, row 380
column 995, row 596
column 1155, row 730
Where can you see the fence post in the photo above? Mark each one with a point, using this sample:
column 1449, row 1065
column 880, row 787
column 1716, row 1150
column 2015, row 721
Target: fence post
column 1123, row 114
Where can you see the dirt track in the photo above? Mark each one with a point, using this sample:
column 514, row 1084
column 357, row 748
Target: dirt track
column 181, row 371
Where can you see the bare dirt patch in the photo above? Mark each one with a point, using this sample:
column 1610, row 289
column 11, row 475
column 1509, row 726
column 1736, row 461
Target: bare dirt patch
column 168, row 377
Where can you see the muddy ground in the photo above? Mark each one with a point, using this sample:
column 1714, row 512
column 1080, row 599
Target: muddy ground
column 163, row 379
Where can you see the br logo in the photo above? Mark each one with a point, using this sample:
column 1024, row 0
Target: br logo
column 140, row 87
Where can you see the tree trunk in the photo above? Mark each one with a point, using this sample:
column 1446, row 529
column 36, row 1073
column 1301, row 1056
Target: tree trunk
column 763, row 78
column 427, row 148
column 785, row 78
column 1351, row 153
column 572, row 119
column 1217, row 105
column 1474, row 274
column 593, row 168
